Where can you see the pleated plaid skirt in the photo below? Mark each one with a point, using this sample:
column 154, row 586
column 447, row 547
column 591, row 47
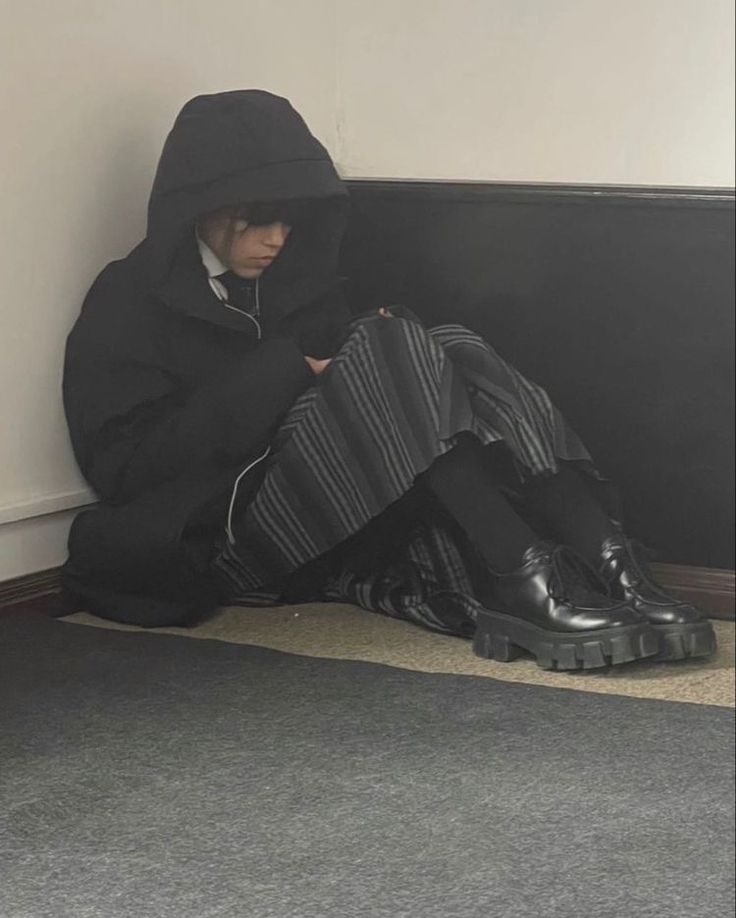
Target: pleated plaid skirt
column 346, row 456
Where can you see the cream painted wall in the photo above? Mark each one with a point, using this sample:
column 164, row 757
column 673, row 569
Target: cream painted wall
column 88, row 91
column 634, row 92
column 583, row 91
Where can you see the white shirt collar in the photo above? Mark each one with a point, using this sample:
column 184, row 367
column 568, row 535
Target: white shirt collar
column 215, row 268
column 211, row 262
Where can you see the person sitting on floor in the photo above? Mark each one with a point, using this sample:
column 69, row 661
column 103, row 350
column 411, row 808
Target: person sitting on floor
column 254, row 441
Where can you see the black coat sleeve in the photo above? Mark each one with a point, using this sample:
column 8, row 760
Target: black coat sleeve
column 321, row 328
column 134, row 426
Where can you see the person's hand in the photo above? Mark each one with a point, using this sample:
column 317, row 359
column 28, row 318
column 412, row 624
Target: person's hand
column 318, row 366
column 385, row 313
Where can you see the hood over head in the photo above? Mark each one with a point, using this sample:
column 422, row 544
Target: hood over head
column 238, row 147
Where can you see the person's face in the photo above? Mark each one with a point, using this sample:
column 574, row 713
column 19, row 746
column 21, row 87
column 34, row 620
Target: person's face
column 244, row 247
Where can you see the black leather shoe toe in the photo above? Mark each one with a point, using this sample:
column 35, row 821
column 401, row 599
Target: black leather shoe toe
column 683, row 630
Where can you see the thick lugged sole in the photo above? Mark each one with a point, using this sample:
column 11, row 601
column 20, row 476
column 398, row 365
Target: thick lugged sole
column 502, row 637
column 681, row 642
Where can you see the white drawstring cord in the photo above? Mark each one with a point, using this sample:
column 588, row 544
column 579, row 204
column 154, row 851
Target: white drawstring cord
column 218, row 288
column 220, row 291
column 229, row 528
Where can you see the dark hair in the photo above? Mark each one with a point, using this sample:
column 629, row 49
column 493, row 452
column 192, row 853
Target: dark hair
column 293, row 212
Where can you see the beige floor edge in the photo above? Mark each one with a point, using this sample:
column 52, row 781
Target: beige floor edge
column 344, row 632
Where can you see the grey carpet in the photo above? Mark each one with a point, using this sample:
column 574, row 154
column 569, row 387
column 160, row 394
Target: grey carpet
column 151, row 776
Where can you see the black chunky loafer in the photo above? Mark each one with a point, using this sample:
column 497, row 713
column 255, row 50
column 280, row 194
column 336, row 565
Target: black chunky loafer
column 682, row 630
column 555, row 607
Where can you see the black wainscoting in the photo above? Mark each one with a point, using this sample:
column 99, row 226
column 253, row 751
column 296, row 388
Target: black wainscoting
column 620, row 301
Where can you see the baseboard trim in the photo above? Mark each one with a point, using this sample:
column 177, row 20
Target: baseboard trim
column 712, row 590
column 44, row 506
column 38, row 592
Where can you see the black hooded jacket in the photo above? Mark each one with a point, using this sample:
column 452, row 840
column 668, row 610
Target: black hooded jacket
column 168, row 393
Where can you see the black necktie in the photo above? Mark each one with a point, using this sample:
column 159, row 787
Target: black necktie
column 241, row 292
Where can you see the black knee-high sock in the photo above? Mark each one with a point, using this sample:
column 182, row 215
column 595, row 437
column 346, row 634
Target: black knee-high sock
column 462, row 482
column 571, row 511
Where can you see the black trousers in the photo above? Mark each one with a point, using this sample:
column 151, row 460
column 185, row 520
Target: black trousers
column 503, row 515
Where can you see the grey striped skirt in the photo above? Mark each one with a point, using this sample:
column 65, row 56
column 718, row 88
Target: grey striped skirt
column 392, row 400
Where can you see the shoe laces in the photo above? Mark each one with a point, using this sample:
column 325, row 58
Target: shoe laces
column 635, row 565
column 573, row 577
